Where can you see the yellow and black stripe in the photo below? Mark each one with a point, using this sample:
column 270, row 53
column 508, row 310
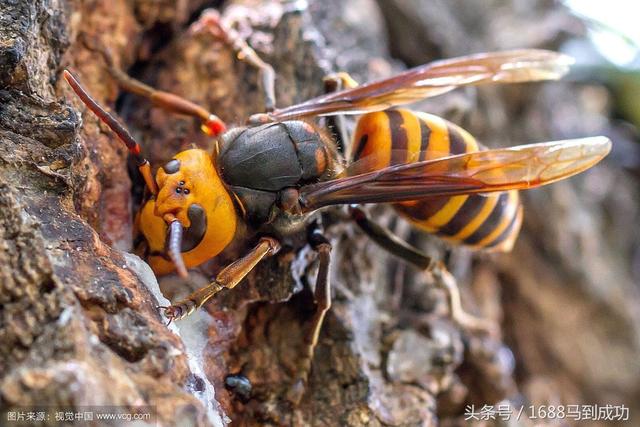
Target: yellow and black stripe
column 384, row 138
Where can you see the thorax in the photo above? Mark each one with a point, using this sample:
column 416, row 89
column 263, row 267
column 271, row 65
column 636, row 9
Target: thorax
column 264, row 166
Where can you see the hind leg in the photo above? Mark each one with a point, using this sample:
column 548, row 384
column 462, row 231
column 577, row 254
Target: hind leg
column 445, row 280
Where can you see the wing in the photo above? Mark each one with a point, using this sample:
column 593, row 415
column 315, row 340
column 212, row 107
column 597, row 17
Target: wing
column 433, row 79
column 520, row 167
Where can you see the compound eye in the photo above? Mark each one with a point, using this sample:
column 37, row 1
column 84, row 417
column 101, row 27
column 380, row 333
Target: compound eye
column 194, row 234
column 172, row 166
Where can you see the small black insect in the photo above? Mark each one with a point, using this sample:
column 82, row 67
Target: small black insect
column 240, row 386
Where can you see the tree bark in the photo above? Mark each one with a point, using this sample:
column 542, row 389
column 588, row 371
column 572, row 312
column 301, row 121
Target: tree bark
column 78, row 320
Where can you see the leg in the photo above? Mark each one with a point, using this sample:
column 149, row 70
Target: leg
column 323, row 302
column 336, row 124
column 398, row 247
column 389, row 241
column 215, row 24
column 211, row 124
column 228, row 278
column 461, row 317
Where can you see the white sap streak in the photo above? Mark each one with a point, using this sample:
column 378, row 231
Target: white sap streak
column 192, row 331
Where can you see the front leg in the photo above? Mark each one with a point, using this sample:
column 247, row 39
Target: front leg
column 228, row 278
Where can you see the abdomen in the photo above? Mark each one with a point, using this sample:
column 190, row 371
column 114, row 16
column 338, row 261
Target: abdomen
column 490, row 221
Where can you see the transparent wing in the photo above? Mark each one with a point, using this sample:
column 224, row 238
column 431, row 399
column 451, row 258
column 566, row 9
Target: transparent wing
column 521, row 167
column 433, row 79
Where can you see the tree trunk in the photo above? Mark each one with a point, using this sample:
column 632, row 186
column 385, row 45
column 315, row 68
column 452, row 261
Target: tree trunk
column 79, row 326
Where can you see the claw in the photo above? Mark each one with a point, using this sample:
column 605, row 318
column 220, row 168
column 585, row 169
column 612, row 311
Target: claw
column 174, row 312
column 171, row 312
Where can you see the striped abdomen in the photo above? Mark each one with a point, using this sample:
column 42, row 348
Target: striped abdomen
column 389, row 137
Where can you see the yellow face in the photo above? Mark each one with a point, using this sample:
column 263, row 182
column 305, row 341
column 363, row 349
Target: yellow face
column 191, row 191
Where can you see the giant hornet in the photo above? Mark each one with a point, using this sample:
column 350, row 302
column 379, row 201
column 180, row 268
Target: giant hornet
column 278, row 171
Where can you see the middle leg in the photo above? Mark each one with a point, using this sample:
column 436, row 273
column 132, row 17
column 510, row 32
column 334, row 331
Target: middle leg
column 322, row 296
